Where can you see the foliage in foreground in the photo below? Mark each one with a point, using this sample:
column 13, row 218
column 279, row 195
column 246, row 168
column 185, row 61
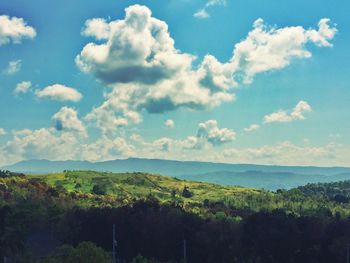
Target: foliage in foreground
column 154, row 215
column 86, row 252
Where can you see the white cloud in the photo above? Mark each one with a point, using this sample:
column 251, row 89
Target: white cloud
column 108, row 118
column 50, row 144
column 60, row 93
column 106, row 149
column 323, row 35
column 163, row 144
column 22, row 87
column 145, row 70
column 216, row 2
column 154, row 148
column 97, row 28
column 334, row 136
column 203, row 12
column 2, row 131
column 252, row 127
column 280, row 153
column 13, row 67
column 216, row 136
column 138, row 50
column 300, row 109
column 193, row 142
column 137, row 59
column 169, row 123
column 284, row 116
column 41, row 144
column 209, row 132
column 279, row 116
column 14, row 29
column 269, row 48
column 66, row 119
column 288, row 153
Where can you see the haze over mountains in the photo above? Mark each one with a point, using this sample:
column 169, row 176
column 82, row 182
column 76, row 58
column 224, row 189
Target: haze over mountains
column 250, row 175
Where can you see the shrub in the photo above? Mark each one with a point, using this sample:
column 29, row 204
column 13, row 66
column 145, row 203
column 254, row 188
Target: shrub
column 99, row 189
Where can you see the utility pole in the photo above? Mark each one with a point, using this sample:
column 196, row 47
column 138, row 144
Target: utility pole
column 114, row 245
column 347, row 253
column 185, row 252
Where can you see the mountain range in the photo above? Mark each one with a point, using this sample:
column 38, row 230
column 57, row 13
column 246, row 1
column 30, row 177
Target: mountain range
column 270, row 177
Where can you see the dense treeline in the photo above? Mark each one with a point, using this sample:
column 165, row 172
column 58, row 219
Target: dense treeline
column 6, row 174
column 337, row 191
column 40, row 222
column 157, row 231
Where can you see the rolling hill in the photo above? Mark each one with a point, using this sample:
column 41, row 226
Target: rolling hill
column 250, row 175
column 58, row 210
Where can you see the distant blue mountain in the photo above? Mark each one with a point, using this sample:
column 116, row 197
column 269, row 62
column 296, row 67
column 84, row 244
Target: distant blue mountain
column 266, row 180
column 250, row 175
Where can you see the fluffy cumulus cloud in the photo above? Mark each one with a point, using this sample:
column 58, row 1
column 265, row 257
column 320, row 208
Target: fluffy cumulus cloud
column 40, row 144
column 209, row 133
column 287, row 116
column 288, row 153
column 169, row 123
column 105, row 149
column 203, row 12
column 268, row 48
column 111, row 115
column 13, row 29
column 65, row 144
column 59, row 92
column 156, row 148
column 66, row 119
column 163, row 144
column 22, row 87
column 13, row 67
column 137, row 59
column 252, row 127
column 2, row 131
column 96, row 27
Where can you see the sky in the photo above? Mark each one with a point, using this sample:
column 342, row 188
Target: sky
column 214, row 80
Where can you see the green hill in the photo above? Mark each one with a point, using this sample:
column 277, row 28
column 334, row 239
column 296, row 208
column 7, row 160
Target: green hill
column 41, row 214
column 100, row 189
column 248, row 175
column 133, row 186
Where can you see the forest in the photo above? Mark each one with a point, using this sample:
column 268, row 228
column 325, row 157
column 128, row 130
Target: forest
column 68, row 217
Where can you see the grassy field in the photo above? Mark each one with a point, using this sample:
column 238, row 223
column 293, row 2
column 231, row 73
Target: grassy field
column 141, row 185
column 105, row 189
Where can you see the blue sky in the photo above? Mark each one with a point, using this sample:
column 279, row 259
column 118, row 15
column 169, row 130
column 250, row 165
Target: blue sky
column 215, row 80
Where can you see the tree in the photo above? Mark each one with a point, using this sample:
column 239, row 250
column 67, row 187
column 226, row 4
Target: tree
column 206, row 203
column 99, row 189
column 85, row 252
column 141, row 259
column 186, row 192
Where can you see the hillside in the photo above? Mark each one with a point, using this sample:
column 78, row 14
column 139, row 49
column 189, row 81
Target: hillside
column 140, row 185
column 45, row 218
column 248, row 175
column 338, row 191
column 92, row 188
